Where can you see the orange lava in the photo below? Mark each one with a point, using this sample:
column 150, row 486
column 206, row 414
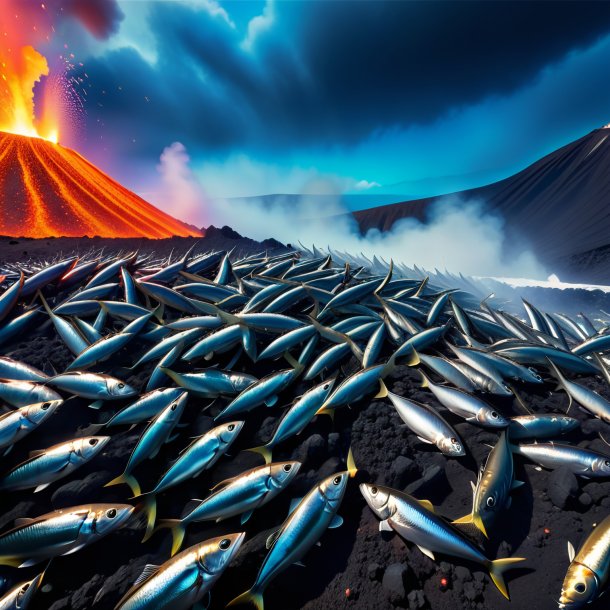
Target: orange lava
column 47, row 190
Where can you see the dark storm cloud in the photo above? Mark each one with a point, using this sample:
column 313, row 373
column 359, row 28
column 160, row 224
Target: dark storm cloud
column 325, row 72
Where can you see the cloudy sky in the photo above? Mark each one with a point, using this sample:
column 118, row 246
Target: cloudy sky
column 272, row 96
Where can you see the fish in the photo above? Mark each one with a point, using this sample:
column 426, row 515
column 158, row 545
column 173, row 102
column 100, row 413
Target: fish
column 20, row 371
column 96, row 386
column 157, row 433
column 582, row 462
column 491, row 494
column 471, row 408
column 49, row 465
column 15, row 425
column 428, row 425
column 415, row 521
column 24, row 393
column 20, row 597
column 211, row 383
column 239, row 495
column 200, row 455
column 545, row 425
column 589, row 571
column 181, row 582
column 60, row 532
column 309, row 519
column 147, row 406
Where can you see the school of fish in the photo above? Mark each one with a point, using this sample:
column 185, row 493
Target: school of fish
column 333, row 325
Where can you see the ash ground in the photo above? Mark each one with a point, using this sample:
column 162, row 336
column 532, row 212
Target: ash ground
column 379, row 571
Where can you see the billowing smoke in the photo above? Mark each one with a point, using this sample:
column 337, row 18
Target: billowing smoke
column 459, row 236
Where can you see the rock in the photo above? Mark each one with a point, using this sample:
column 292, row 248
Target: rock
column 81, row 490
column 585, row 499
column 562, row 486
column 416, row 600
column 470, row 592
column 311, row 451
column 333, row 443
column 400, row 470
column 462, row 573
column 432, row 474
column 393, row 582
column 374, row 571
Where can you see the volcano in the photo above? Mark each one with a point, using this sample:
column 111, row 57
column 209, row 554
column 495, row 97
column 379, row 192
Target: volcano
column 47, row 190
column 560, row 205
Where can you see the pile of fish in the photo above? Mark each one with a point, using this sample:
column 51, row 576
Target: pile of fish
column 327, row 331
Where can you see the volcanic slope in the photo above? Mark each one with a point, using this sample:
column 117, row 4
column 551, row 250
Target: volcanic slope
column 560, row 204
column 47, row 190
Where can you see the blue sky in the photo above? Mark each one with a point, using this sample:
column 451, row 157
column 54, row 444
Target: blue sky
column 414, row 98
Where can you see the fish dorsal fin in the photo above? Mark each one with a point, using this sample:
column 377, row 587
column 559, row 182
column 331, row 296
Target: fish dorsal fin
column 426, row 552
column 427, row 505
column 23, row 521
column 149, row 570
column 571, row 551
column 336, row 522
column 272, row 400
column 272, row 539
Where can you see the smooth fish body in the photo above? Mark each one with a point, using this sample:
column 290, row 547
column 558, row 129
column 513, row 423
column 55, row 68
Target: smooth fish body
column 19, row 371
column 540, row 426
column 492, row 492
column 10, row 296
column 297, row 417
column 185, row 337
column 315, row 513
column 47, row 276
column 60, row 532
column 582, row 462
column 19, row 324
column 535, row 354
column 95, row 386
column 219, row 342
column 599, row 343
column 23, row 393
column 264, row 391
column 415, row 521
column 184, row 580
column 428, row 425
column 449, row 372
column 148, row 406
column 589, row 572
column 54, row 463
column 240, row 495
column 211, row 383
column 471, row 408
column 17, row 424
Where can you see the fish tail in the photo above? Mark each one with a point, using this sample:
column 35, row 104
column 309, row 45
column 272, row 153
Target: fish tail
column 327, row 411
column 14, row 562
column 128, row 479
column 150, row 507
column 252, row 597
column 178, row 532
column 351, row 464
column 263, row 450
column 497, row 569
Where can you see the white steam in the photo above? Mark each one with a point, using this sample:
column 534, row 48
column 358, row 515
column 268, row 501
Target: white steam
column 459, row 236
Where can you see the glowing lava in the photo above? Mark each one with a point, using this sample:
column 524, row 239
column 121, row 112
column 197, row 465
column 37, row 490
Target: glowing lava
column 47, row 190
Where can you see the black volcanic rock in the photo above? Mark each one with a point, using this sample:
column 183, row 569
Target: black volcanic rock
column 226, row 232
column 558, row 204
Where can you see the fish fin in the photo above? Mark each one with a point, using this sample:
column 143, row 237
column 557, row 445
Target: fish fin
column 351, row 464
column 426, row 552
column 249, row 598
column 272, row 539
column 272, row 400
column 178, row 532
column 496, row 570
column 383, row 390
column 425, row 383
column 336, row 522
column 384, row 526
column 8, row 450
column 299, row 563
column 478, row 522
column 74, row 550
column 170, row 439
column 41, row 487
column 327, row 411
column 23, row 521
column 245, row 516
column 150, row 507
column 571, row 551
column 517, row 484
column 465, row 520
column 264, row 451
column 427, row 505
column 423, row 440
column 98, row 404
column 128, row 479
column 149, row 570
column 14, row 562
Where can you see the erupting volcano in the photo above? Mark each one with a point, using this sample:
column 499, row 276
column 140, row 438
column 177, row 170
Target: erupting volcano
column 48, row 190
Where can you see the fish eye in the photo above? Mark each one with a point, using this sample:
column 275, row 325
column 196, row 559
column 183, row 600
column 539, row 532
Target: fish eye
column 26, row 586
column 231, row 427
column 491, row 501
column 326, row 385
column 45, row 406
column 374, row 491
column 121, row 385
column 111, row 514
column 580, row 587
column 494, row 415
column 174, row 406
column 337, row 480
column 453, row 440
column 287, row 467
column 606, row 462
column 93, row 442
column 224, row 544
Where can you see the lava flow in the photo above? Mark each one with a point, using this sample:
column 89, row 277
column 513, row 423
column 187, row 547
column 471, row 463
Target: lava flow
column 47, row 190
